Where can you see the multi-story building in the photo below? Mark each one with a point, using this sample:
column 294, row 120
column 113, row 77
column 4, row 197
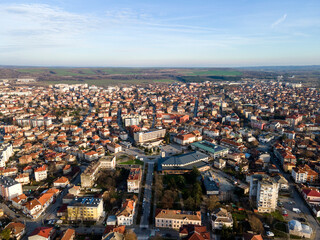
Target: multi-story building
column 175, row 219
column 89, row 176
column 142, row 137
column 134, row 179
column 40, row 173
column 130, row 120
column 85, row 209
column 265, row 191
column 304, row 174
column 6, row 151
column 126, row 213
column 114, row 147
column 9, row 188
column 108, row 162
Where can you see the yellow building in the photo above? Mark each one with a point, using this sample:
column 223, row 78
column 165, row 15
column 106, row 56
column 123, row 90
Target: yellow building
column 85, row 209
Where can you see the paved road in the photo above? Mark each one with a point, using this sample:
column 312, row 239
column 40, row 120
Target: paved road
column 144, row 223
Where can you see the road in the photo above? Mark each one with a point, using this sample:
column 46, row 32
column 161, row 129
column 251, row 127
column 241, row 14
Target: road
column 144, row 223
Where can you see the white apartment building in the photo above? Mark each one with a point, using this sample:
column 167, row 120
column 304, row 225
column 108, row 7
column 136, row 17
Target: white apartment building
column 298, row 175
column 9, row 188
column 40, row 173
column 126, row 213
column 134, row 179
column 108, row 162
column 265, row 190
column 141, row 137
column 6, row 151
column 221, row 217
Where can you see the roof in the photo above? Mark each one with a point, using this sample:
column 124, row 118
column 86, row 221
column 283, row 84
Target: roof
column 183, row 159
column 43, row 232
column 178, row 214
column 208, row 146
column 86, row 201
column 68, row 234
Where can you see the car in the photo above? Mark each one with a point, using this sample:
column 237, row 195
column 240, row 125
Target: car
column 290, row 202
column 266, row 226
column 285, row 213
column 17, row 216
column 270, row 234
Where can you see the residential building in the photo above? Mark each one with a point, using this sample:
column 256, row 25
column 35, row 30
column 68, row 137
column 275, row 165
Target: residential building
column 9, row 188
column 17, row 230
column 85, row 209
column 184, row 139
column 114, row 147
column 134, row 180
column 142, row 137
column 43, row 233
column 304, row 174
column 108, row 162
column 40, row 173
column 61, row 182
column 265, row 191
column 126, row 213
column 221, row 217
column 6, row 151
column 175, row 219
column 69, row 234
column 190, row 232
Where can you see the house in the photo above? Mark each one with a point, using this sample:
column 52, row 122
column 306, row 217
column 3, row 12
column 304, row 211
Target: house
column 61, row 182
column 17, row 230
column 18, row 201
column 311, row 195
column 40, row 173
column 43, row 233
column 114, row 147
column 126, row 213
column 108, row 162
column 32, row 208
column 134, row 180
column 219, row 163
column 23, row 178
column 175, row 219
column 184, row 139
column 221, row 217
column 251, row 236
column 194, row 232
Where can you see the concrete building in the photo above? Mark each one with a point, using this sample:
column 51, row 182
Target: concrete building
column 9, row 188
column 85, row 209
column 184, row 163
column 175, row 219
column 108, row 162
column 142, row 137
column 211, row 149
column 265, row 192
column 40, row 173
column 6, row 151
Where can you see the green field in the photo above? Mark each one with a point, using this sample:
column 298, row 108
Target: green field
column 123, row 71
column 215, row 73
column 133, row 162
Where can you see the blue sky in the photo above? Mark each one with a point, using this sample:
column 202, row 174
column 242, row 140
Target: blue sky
column 164, row 33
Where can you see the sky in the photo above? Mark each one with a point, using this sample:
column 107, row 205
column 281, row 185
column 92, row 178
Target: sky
column 159, row 33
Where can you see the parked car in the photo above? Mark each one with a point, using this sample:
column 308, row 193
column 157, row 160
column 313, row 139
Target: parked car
column 270, row 234
column 285, row 213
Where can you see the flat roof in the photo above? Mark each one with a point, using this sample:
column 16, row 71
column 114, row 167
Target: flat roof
column 208, row 146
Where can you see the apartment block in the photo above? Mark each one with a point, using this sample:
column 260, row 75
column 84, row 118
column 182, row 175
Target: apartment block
column 142, row 137
column 9, row 188
column 6, row 151
column 85, row 209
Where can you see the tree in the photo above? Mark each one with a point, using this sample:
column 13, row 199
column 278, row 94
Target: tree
column 5, row 234
column 255, row 223
column 130, row 235
column 212, row 202
column 189, row 203
column 226, row 233
column 194, row 174
column 167, row 138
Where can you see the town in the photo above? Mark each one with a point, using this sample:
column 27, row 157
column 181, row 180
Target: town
column 208, row 160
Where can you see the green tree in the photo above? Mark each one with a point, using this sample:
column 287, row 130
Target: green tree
column 5, row 234
column 226, row 233
column 194, row 174
column 167, row 138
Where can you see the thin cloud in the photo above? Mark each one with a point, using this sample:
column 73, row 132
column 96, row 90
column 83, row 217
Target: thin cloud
column 279, row 21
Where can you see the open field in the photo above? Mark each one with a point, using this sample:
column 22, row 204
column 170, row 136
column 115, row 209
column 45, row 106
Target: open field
column 215, row 73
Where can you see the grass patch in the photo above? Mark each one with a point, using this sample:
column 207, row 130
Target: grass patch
column 276, row 215
column 281, row 226
column 133, row 162
column 280, row 234
column 240, row 216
